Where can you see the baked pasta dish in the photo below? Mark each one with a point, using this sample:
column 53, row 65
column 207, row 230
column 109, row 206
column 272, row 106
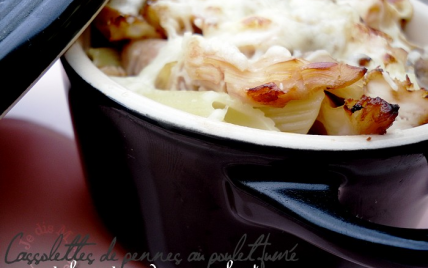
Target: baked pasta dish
column 327, row 67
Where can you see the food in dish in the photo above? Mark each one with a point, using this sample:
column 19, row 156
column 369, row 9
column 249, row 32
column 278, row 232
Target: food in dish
column 339, row 67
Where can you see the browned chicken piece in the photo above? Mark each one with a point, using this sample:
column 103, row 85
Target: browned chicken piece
column 151, row 16
column 155, row 15
column 116, row 26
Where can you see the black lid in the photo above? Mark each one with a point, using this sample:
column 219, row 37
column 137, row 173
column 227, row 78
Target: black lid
column 33, row 34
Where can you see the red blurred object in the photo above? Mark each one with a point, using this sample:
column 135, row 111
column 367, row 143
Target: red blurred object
column 44, row 195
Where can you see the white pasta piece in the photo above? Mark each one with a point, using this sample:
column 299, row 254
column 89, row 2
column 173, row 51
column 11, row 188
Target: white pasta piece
column 108, row 60
column 297, row 116
column 214, row 105
column 189, row 101
column 104, row 56
column 334, row 119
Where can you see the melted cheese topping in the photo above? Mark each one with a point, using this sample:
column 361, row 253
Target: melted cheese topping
column 248, row 31
column 129, row 7
column 298, row 25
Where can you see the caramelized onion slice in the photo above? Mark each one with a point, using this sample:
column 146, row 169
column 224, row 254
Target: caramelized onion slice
column 330, row 75
column 312, row 77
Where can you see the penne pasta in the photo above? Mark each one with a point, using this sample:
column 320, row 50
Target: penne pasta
column 296, row 116
column 269, row 64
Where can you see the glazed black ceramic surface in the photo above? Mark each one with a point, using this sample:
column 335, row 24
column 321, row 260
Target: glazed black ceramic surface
column 167, row 182
column 33, row 33
column 163, row 189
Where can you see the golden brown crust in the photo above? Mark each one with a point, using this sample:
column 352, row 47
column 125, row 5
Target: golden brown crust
column 371, row 115
column 267, row 94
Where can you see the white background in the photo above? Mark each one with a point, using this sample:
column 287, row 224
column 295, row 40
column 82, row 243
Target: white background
column 46, row 103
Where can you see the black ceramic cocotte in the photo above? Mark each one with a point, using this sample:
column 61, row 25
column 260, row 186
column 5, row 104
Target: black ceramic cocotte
column 167, row 182
column 192, row 192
